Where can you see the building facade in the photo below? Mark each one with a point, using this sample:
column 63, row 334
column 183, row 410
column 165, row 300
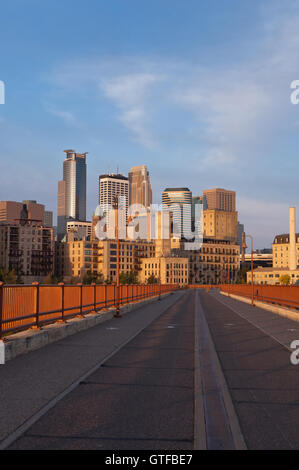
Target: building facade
column 220, row 199
column 82, row 230
column 179, row 202
column 220, row 224
column 111, row 186
column 12, row 212
column 75, row 257
column 140, row 186
column 165, row 270
column 28, row 250
column 71, row 199
column 216, row 262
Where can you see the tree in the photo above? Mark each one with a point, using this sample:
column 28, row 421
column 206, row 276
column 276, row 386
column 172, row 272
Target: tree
column 93, row 277
column 9, row 277
column 285, row 279
column 242, row 275
column 128, row 278
column 152, row 279
column 51, row 279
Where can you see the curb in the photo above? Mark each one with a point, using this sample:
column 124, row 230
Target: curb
column 283, row 312
column 30, row 340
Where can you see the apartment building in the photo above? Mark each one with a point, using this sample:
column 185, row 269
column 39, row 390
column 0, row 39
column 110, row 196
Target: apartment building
column 28, row 249
column 75, row 257
column 216, row 262
column 166, row 270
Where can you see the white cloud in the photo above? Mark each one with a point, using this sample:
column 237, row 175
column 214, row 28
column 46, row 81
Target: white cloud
column 130, row 94
column 67, row 116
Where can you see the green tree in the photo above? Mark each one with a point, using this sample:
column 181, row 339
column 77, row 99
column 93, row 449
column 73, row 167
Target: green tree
column 152, row 279
column 51, row 279
column 128, row 278
column 285, row 279
column 9, row 277
column 93, row 277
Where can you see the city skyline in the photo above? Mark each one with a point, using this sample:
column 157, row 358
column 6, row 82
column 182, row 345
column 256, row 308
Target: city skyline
column 199, row 108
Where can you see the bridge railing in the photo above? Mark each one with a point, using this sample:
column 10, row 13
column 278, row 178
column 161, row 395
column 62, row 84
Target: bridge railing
column 32, row 306
column 285, row 296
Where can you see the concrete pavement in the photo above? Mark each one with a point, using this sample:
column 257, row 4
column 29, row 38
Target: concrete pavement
column 31, row 382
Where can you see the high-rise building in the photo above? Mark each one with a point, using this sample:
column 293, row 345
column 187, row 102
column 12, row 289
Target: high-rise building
column 71, row 204
column 110, row 186
column 140, row 186
column 221, row 199
column 179, row 200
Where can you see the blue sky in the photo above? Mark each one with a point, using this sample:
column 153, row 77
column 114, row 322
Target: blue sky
column 199, row 90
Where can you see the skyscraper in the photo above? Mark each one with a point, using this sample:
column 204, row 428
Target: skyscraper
column 111, row 186
column 71, row 204
column 181, row 201
column 140, row 186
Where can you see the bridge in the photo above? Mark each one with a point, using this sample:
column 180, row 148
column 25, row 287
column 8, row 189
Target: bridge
column 184, row 369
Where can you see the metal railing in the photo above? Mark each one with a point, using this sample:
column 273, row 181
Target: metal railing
column 285, row 296
column 32, row 306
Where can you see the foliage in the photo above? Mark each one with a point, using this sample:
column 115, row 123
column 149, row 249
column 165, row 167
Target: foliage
column 93, row 277
column 9, row 277
column 128, row 278
column 285, row 279
column 242, row 275
column 152, row 279
column 51, row 279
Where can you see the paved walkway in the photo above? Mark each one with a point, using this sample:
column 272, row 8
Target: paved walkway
column 141, row 398
column 29, row 383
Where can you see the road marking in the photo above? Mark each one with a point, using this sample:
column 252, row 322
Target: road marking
column 200, row 442
column 214, row 372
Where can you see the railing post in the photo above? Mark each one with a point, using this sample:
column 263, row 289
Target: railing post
column 94, row 297
column 1, row 310
column 105, row 296
column 36, row 285
column 61, row 284
column 81, row 300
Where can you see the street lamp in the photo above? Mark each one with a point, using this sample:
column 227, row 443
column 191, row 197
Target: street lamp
column 252, row 286
column 115, row 205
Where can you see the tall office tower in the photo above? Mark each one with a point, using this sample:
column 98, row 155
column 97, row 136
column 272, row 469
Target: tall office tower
column 221, row 199
column 140, row 186
column 111, row 186
column 71, row 201
column 181, row 201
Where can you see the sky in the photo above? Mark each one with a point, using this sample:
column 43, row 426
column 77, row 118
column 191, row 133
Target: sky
column 198, row 90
